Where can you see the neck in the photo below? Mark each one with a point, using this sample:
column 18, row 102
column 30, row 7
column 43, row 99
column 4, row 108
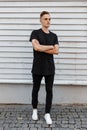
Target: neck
column 46, row 30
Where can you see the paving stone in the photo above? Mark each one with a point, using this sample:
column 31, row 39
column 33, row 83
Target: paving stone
column 55, row 129
column 65, row 121
column 33, row 129
column 71, row 126
column 84, row 126
column 47, row 128
column 83, row 129
column 26, row 129
column 40, row 128
column 37, row 125
column 1, row 128
column 31, row 125
column 13, row 128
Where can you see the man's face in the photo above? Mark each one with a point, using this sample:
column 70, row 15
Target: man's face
column 45, row 20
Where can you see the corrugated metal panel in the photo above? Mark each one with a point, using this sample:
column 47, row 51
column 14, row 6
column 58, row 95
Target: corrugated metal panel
column 69, row 22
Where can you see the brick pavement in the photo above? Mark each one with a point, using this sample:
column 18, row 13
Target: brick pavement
column 65, row 117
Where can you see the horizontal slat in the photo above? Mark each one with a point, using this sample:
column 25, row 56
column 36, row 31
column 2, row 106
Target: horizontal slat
column 69, row 21
column 65, row 67
column 57, row 61
column 60, row 82
column 74, row 50
column 71, row 61
column 36, row 21
column 28, row 44
column 16, row 54
column 71, row 82
column 71, row 72
column 65, row 77
column 15, row 49
column 73, row 77
column 36, row 15
column 31, row 27
column 71, row 33
column 19, row 27
column 16, row 60
column 50, row 9
column 71, row 56
column 65, row 55
column 66, row 72
column 38, row 4
column 73, row 44
column 35, row 26
column 74, row 39
column 15, row 71
column 15, row 76
column 70, row 77
column 29, row 65
column 79, row 66
column 28, row 77
column 15, row 44
column 17, row 81
column 30, row 55
column 69, row 27
column 15, row 65
column 27, row 33
column 71, row 67
column 14, row 32
column 26, row 38
column 64, row 61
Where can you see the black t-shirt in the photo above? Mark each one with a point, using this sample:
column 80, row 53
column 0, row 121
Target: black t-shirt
column 43, row 63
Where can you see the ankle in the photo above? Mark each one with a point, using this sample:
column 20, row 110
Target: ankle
column 34, row 109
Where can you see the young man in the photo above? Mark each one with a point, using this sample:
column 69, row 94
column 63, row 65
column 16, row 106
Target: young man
column 45, row 44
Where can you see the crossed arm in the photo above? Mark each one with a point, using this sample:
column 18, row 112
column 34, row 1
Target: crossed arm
column 45, row 48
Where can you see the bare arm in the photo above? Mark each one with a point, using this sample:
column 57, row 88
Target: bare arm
column 41, row 48
column 55, row 50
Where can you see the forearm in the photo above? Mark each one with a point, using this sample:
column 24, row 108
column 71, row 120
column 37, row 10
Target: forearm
column 53, row 51
column 41, row 48
column 50, row 51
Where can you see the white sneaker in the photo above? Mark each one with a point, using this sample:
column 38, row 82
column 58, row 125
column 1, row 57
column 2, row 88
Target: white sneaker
column 48, row 119
column 35, row 115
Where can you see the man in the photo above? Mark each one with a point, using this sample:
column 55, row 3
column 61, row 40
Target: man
column 45, row 44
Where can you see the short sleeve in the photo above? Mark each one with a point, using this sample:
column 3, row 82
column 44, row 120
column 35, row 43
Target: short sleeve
column 56, row 40
column 33, row 36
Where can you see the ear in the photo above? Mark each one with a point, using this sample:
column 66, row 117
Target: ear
column 40, row 19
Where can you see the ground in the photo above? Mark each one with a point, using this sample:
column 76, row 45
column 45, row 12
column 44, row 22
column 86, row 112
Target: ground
column 65, row 117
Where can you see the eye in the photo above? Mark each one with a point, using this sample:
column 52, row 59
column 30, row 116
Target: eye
column 47, row 19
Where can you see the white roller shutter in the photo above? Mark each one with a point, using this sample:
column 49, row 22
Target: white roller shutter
column 69, row 22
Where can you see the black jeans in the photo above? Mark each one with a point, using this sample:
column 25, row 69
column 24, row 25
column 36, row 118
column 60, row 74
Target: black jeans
column 49, row 79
